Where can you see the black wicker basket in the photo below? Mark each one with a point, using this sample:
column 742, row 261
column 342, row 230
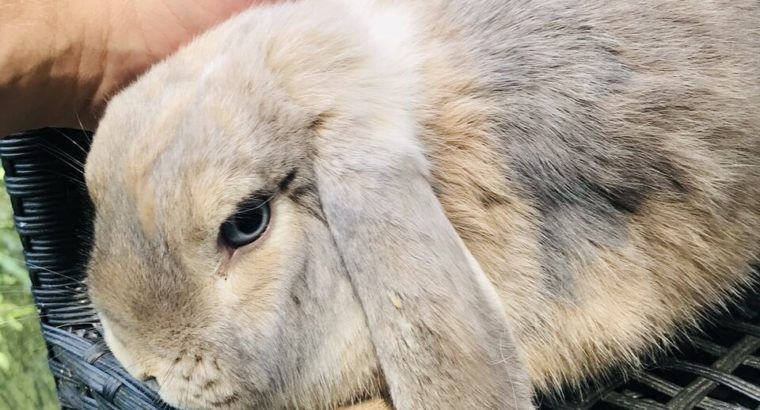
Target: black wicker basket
column 718, row 369
column 44, row 177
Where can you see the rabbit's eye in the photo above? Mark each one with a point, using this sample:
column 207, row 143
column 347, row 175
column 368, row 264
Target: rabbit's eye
column 246, row 225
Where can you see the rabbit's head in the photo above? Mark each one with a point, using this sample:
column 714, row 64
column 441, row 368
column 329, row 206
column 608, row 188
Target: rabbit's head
column 266, row 235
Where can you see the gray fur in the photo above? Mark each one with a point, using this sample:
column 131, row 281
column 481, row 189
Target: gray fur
column 471, row 199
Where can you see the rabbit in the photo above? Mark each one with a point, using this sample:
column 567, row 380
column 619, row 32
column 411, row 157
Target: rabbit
column 426, row 204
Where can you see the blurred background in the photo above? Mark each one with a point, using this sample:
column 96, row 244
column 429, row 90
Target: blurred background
column 25, row 380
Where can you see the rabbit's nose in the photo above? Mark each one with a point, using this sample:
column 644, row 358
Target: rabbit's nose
column 152, row 383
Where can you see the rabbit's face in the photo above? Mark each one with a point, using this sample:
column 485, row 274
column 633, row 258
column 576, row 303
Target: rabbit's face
column 266, row 234
column 213, row 270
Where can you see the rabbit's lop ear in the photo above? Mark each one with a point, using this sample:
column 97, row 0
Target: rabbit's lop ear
column 438, row 327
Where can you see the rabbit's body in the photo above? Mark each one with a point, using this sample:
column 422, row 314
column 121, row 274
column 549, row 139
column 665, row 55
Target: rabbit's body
column 600, row 160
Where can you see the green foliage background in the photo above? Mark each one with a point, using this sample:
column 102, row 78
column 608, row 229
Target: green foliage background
column 25, row 380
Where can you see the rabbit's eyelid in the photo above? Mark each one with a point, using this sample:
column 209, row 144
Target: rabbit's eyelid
column 265, row 196
column 261, row 198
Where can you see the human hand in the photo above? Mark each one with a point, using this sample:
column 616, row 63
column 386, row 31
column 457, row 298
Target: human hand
column 61, row 60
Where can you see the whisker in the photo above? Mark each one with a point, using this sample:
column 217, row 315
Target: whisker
column 113, row 368
column 74, row 279
column 72, row 140
column 53, row 149
column 81, row 125
column 35, row 266
column 65, row 157
column 77, row 181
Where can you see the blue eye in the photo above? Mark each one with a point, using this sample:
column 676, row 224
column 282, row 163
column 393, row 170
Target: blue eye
column 247, row 224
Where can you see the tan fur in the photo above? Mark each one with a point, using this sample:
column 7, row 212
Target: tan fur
column 370, row 405
column 595, row 164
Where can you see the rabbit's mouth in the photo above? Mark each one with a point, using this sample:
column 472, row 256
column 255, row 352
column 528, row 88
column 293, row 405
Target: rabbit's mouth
column 194, row 381
column 190, row 379
column 198, row 382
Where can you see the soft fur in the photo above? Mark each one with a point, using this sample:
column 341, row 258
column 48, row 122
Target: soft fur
column 471, row 199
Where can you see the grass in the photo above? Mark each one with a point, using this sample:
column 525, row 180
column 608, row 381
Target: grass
column 25, row 379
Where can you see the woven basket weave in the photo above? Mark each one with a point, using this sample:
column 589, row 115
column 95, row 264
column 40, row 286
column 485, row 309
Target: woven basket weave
column 718, row 370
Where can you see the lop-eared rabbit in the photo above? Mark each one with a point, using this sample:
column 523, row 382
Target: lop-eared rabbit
column 432, row 204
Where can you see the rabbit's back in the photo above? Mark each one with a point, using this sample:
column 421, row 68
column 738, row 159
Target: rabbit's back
column 602, row 162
